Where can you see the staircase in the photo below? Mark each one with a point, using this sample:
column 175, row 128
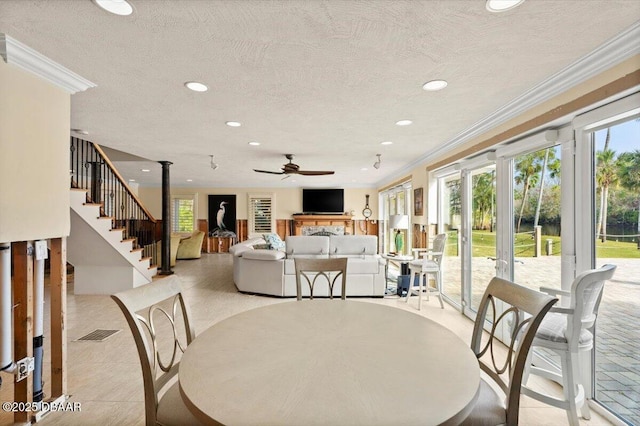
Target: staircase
column 111, row 243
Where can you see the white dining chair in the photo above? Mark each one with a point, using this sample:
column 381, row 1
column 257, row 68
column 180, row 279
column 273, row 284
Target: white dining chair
column 569, row 331
column 430, row 264
column 153, row 312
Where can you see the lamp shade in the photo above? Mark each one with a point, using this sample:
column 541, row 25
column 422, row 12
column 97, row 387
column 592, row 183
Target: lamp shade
column 399, row 221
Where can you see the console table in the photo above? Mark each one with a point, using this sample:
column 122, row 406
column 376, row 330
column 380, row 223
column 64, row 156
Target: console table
column 300, row 220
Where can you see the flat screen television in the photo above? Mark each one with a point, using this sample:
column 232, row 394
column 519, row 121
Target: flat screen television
column 323, row 200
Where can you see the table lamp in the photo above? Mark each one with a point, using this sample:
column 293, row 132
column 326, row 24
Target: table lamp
column 399, row 222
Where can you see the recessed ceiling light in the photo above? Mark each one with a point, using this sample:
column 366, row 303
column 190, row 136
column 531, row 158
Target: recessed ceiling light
column 386, row 143
column 189, row 180
column 434, row 85
column 502, row 5
column 233, row 123
column 145, row 170
column 254, row 143
column 132, row 180
column 117, row 7
column 364, row 169
column 293, row 180
column 404, row 122
column 195, row 86
column 80, row 131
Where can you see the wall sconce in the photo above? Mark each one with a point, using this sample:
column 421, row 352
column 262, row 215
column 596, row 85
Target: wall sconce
column 214, row 165
column 376, row 165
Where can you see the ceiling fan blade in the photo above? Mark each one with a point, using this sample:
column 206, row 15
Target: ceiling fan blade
column 267, row 171
column 314, row 172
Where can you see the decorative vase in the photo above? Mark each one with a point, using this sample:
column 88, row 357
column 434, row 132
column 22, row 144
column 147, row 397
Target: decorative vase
column 399, row 242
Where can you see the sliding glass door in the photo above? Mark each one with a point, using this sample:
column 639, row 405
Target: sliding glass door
column 610, row 148
column 449, row 220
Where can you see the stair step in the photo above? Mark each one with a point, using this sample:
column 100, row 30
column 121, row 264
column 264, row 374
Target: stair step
column 79, row 189
column 92, row 204
column 117, row 229
column 152, row 266
column 146, row 258
column 136, row 249
column 129, row 239
column 106, row 217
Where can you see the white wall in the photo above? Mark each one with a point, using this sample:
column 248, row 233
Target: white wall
column 288, row 200
column 34, row 157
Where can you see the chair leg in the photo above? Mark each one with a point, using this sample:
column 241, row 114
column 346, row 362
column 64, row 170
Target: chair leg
column 439, row 288
column 579, row 388
column 425, row 277
column 420, row 282
column 411, row 274
column 569, row 388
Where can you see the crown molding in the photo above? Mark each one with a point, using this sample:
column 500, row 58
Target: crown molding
column 15, row 53
column 620, row 48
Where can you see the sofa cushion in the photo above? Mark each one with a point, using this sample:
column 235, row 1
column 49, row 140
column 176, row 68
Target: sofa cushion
column 238, row 249
column 275, row 241
column 353, row 245
column 307, row 245
column 362, row 266
column 261, row 254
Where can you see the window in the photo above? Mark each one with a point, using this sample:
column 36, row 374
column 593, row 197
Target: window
column 183, row 216
column 261, row 214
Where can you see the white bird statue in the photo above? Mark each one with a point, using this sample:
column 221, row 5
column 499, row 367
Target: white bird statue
column 220, row 216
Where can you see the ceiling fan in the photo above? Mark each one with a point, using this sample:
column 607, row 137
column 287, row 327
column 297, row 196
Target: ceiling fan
column 291, row 168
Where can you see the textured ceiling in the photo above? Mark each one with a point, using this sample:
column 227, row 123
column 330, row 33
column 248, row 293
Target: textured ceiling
column 325, row 80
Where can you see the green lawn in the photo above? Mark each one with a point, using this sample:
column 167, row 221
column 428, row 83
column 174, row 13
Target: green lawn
column 484, row 243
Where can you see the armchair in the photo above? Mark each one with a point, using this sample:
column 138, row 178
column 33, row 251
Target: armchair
column 569, row 331
column 191, row 247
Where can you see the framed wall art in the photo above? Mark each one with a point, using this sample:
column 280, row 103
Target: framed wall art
column 418, row 202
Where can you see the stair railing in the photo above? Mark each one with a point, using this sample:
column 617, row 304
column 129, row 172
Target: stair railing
column 92, row 170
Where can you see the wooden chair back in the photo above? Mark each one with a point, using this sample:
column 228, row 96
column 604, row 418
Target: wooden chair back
column 523, row 311
column 313, row 269
column 144, row 310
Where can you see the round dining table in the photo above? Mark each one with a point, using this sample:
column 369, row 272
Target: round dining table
column 329, row 362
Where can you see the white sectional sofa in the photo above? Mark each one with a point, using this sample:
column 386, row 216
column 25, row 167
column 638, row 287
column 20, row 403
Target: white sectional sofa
column 272, row 272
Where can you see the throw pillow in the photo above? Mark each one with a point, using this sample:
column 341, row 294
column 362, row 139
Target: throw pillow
column 274, row 241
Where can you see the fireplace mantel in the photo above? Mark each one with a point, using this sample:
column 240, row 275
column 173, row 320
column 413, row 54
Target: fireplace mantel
column 300, row 220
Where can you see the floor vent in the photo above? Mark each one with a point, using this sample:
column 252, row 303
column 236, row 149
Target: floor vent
column 98, row 335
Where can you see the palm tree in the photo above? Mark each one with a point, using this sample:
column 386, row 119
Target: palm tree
column 606, row 177
column 483, row 198
column 527, row 168
column 552, row 164
column 629, row 176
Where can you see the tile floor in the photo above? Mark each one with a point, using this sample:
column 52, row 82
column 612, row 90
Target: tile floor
column 105, row 377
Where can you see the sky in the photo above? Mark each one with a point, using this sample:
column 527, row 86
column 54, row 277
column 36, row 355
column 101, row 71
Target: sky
column 624, row 137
